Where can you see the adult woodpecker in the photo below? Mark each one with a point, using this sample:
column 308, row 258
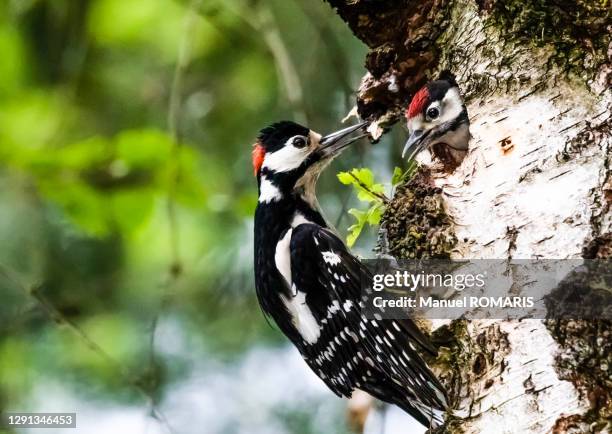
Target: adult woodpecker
column 438, row 120
column 310, row 284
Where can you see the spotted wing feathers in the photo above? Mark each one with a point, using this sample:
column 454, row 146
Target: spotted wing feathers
column 379, row 357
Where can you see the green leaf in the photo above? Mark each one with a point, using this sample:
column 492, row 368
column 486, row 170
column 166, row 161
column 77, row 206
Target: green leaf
column 353, row 235
column 355, row 229
column 364, row 176
column 359, row 215
column 367, row 191
column 400, row 177
column 375, row 214
column 365, row 195
column 345, row 178
column 363, row 182
column 131, row 208
column 146, row 148
column 397, row 176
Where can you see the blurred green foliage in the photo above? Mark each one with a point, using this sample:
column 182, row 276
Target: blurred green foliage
column 118, row 220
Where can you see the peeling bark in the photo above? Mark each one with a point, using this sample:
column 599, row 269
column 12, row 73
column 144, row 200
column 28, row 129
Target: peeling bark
column 536, row 183
column 402, row 38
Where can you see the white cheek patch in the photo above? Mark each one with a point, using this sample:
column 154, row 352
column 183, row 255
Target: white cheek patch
column 451, row 106
column 286, row 159
column 268, row 192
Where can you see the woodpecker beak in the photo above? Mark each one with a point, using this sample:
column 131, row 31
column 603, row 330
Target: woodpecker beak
column 415, row 144
column 332, row 144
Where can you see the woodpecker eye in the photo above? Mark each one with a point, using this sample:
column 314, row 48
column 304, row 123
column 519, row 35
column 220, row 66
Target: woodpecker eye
column 433, row 113
column 299, row 142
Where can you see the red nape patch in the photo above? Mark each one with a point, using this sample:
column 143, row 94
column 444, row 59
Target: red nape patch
column 258, row 155
column 418, row 103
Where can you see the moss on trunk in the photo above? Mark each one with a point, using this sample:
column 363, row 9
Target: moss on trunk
column 579, row 30
column 406, row 41
column 416, row 223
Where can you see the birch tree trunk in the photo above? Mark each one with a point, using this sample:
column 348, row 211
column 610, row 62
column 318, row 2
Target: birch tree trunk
column 535, row 184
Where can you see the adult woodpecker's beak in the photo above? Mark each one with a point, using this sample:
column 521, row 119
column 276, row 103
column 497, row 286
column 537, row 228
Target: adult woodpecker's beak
column 333, row 143
column 415, row 144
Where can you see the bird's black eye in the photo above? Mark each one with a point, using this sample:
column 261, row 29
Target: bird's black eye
column 299, row 142
column 433, row 113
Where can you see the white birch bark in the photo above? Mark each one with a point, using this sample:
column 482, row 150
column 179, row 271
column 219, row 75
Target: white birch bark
column 535, row 184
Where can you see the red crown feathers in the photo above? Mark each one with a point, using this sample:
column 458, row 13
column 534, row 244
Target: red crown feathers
column 257, row 155
column 418, row 103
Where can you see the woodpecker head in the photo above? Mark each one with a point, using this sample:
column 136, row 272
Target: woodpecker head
column 287, row 153
column 437, row 118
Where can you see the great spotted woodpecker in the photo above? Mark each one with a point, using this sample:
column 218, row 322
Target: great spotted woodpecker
column 438, row 120
column 310, row 284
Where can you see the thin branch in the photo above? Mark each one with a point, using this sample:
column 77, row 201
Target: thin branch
column 174, row 114
column 57, row 317
column 380, row 196
column 287, row 72
column 261, row 20
column 175, row 268
column 337, row 56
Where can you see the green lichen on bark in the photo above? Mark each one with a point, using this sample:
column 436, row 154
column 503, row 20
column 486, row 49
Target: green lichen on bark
column 416, row 224
column 579, row 30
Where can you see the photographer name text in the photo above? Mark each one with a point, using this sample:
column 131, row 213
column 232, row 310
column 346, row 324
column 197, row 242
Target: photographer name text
column 462, row 302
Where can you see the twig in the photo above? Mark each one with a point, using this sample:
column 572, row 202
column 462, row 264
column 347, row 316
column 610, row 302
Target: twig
column 56, row 316
column 287, row 72
column 337, row 56
column 381, row 196
column 174, row 112
column 175, row 268
column 262, row 22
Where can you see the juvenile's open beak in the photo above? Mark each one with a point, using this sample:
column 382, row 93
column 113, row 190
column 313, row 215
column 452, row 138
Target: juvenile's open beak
column 415, row 144
column 333, row 143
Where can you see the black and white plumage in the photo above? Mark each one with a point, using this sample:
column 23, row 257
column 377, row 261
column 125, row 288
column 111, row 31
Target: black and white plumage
column 310, row 284
column 437, row 119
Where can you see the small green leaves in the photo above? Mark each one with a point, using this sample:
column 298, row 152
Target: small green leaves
column 370, row 216
column 399, row 176
column 368, row 191
column 363, row 182
column 373, row 193
column 345, row 178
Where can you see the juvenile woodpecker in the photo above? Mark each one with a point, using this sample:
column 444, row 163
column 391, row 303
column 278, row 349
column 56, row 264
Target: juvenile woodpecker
column 310, row 284
column 438, row 120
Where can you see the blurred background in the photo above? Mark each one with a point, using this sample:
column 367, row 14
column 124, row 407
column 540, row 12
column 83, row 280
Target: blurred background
column 126, row 203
